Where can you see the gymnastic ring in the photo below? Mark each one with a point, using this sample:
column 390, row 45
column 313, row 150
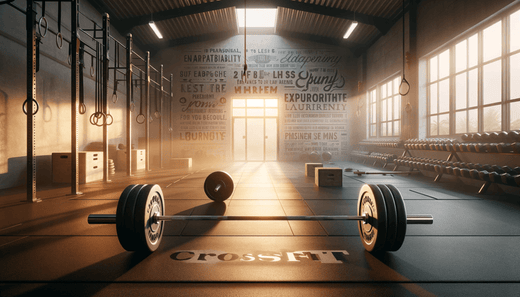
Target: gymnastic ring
column 111, row 119
column 91, row 119
column 404, row 81
column 114, row 95
column 82, row 108
column 59, row 40
column 139, row 117
column 24, row 109
column 92, row 71
column 157, row 115
column 42, row 19
column 99, row 116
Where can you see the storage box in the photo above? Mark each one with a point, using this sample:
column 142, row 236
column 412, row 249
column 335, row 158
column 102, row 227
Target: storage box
column 90, row 167
column 328, row 177
column 138, row 160
column 309, row 168
column 181, row 162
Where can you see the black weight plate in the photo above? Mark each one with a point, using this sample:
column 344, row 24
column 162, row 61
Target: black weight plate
column 226, row 186
column 126, row 233
column 401, row 218
column 123, row 233
column 391, row 217
column 373, row 232
column 327, row 156
column 149, row 201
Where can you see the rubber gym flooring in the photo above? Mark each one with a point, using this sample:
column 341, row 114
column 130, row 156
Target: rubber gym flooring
column 470, row 250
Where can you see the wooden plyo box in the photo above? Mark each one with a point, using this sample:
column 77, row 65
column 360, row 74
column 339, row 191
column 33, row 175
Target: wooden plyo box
column 90, row 167
column 181, row 162
column 309, row 168
column 138, row 160
column 328, row 177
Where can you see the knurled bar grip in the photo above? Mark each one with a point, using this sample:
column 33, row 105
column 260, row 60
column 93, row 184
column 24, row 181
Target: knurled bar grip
column 111, row 219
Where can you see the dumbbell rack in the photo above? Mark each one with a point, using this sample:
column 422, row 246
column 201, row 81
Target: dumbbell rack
column 488, row 173
column 385, row 158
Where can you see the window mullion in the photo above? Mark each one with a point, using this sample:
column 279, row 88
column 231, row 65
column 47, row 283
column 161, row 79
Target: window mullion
column 480, row 92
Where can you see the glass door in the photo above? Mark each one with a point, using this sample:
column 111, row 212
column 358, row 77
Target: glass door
column 255, row 129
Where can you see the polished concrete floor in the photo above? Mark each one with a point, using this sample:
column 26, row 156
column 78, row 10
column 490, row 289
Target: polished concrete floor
column 470, row 250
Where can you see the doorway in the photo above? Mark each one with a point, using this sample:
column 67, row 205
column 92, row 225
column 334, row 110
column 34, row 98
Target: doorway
column 255, row 129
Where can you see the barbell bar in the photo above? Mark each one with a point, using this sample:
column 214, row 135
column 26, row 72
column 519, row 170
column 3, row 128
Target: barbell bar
column 94, row 219
column 381, row 215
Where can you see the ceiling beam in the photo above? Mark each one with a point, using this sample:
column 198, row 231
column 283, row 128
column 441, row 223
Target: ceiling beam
column 382, row 24
column 351, row 46
column 156, row 46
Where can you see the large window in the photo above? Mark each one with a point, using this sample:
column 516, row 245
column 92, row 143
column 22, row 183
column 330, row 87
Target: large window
column 473, row 85
column 384, row 109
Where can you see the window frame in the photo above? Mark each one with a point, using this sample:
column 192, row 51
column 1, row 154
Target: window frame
column 375, row 92
column 505, row 101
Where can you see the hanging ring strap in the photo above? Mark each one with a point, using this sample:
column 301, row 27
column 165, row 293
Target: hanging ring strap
column 59, row 37
column 116, row 64
column 404, row 87
column 157, row 113
column 82, row 107
column 92, row 70
column 42, row 21
column 141, row 117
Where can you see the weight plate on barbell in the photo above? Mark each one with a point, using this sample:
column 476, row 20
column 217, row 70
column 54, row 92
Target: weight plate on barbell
column 126, row 222
column 401, row 219
column 149, row 202
column 122, row 231
column 391, row 217
column 373, row 232
column 219, row 186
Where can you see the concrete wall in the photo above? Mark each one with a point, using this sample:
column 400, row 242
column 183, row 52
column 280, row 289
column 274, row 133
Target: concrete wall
column 53, row 121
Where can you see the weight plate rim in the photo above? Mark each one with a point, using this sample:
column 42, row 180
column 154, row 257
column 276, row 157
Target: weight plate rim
column 141, row 220
column 127, row 238
column 122, row 232
column 391, row 217
column 214, row 175
column 401, row 218
column 381, row 217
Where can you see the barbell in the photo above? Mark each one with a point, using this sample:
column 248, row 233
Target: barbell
column 381, row 215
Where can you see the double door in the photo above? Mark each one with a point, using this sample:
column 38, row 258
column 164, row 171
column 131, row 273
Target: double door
column 255, row 138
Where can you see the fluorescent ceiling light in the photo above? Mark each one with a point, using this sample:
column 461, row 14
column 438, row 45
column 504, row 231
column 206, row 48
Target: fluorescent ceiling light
column 154, row 28
column 257, row 17
column 350, row 29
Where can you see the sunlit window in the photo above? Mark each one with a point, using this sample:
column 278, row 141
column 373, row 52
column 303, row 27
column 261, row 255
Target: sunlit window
column 439, row 94
column 372, row 113
column 484, row 81
column 389, row 117
column 257, row 17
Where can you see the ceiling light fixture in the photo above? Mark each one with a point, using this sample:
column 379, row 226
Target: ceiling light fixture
column 154, row 27
column 350, row 29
